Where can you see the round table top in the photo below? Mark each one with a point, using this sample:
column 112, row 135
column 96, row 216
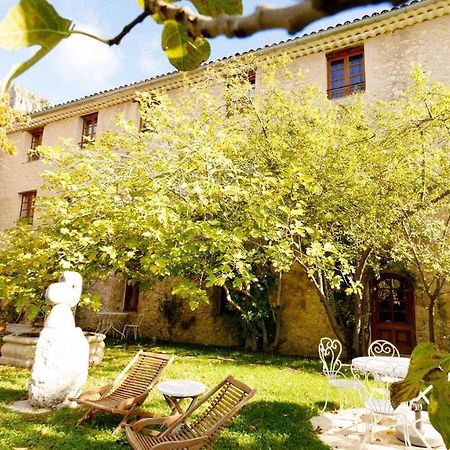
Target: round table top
column 181, row 388
column 396, row 366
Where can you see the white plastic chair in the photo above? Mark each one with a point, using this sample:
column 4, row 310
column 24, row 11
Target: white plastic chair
column 330, row 351
column 383, row 348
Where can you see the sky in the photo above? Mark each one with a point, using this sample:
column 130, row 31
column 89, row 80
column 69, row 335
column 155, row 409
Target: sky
column 80, row 66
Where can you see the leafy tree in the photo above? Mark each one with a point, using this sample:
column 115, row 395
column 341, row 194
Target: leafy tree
column 241, row 189
column 184, row 34
column 7, row 119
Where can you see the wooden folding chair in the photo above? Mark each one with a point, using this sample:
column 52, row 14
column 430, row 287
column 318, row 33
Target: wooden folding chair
column 129, row 390
column 198, row 426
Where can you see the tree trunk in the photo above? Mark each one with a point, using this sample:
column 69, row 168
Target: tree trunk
column 431, row 329
column 276, row 314
column 250, row 343
column 360, row 309
column 265, row 339
column 359, row 327
column 342, row 334
column 365, row 320
column 273, row 347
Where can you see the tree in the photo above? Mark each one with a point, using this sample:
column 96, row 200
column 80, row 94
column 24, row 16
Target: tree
column 7, row 118
column 184, row 34
column 237, row 196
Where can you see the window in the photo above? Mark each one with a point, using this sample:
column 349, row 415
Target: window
column 346, row 72
column 36, row 141
column 27, row 205
column 89, row 128
column 236, row 102
column 131, row 296
column 148, row 110
column 218, row 301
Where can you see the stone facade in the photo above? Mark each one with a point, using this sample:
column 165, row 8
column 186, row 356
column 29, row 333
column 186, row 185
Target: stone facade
column 393, row 42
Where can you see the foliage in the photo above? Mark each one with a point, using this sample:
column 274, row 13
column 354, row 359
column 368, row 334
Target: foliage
column 245, row 189
column 7, row 119
column 277, row 417
column 429, row 366
column 29, row 23
column 170, row 308
column 36, row 22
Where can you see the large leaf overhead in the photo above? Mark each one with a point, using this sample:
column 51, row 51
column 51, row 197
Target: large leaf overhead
column 216, row 7
column 183, row 52
column 432, row 365
column 31, row 22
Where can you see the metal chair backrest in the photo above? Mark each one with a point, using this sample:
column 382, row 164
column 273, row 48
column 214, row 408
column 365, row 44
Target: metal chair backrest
column 374, row 393
column 383, row 348
column 213, row 411
column 330, row 351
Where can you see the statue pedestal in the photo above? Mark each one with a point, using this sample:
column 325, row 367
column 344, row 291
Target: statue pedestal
column 60, row 367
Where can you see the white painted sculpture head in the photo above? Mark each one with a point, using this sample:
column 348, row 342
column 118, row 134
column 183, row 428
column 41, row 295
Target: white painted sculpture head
column 66, row 291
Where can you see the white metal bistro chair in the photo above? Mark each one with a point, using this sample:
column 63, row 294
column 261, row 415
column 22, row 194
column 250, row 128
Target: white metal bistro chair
column 377, row 403
column 330, row 351
column 134, row 328
column 383, row 348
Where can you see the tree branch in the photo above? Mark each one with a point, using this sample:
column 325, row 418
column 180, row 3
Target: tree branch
column 292, row 18
column 126, row 29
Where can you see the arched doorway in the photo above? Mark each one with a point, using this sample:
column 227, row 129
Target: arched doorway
column 392, row 311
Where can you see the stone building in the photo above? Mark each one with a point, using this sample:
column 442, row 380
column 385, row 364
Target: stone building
column 380, row 50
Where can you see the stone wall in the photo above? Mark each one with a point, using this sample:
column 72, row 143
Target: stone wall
column 162, row 316
column 303, row 320
column 441, row 318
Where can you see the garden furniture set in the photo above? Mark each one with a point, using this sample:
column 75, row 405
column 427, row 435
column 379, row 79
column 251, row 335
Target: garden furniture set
column 372, row 376
column 194, row 428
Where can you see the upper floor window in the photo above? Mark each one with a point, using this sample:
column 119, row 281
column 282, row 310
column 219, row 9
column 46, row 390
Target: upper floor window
column 131, row 297
column 149, row 109
column 27, row 200
column 346, row 72
column 89, row 128
column 239, row 101
column 36, row 141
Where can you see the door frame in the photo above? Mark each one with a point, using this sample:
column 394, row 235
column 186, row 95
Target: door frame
column 410, row 309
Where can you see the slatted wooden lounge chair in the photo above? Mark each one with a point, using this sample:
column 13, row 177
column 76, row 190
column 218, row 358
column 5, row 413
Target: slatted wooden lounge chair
column 129, row 390
column 198, row 426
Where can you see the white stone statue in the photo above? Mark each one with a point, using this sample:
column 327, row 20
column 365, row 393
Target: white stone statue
column 62, row 353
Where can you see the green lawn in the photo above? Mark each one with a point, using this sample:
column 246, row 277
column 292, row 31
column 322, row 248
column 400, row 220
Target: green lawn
column 290, row 391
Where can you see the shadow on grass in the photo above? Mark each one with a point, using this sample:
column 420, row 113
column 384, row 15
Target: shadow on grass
column 56, row 430
column 271, row 425
column 235, row 356
column 12, row 395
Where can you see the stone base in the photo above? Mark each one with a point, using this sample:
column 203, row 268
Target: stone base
column 427, row 435
column 24, row 406
column 345, row 430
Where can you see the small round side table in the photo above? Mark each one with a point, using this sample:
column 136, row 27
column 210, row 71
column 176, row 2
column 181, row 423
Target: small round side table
column 175, row 391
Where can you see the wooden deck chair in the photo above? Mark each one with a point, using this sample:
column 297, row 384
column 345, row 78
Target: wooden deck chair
column 198, row 426
column 129, row 390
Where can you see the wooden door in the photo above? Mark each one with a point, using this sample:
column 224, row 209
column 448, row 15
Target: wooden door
column 392, row 311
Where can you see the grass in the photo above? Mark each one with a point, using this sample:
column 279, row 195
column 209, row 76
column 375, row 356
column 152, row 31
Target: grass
column 290, row 391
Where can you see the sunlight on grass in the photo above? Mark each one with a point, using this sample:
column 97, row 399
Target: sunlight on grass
column 290, row 391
